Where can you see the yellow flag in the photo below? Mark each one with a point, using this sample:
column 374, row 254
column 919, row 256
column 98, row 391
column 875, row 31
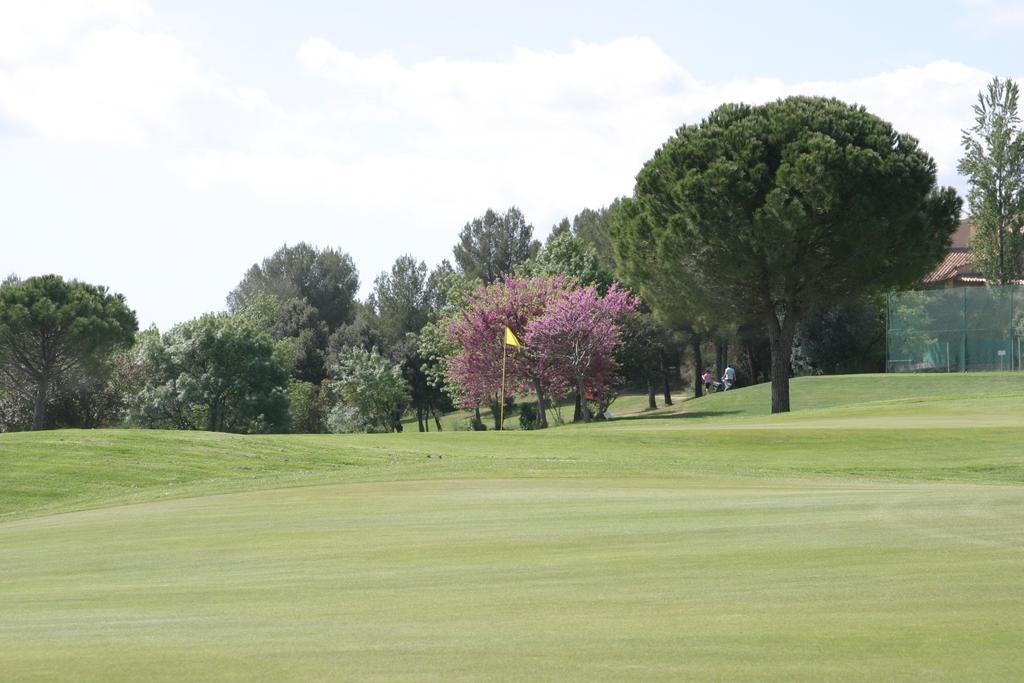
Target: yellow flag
column 511, row 338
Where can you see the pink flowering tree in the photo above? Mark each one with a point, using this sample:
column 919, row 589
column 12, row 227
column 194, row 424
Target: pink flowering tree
column 478, row 331
column 577, row 334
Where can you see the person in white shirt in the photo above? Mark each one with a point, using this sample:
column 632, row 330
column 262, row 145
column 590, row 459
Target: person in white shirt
column 729, row 378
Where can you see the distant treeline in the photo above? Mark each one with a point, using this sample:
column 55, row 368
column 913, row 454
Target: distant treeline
column 764, row 237
column 296, row 351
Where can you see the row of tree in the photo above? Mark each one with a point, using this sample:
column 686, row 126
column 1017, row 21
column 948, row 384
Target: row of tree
column 277, row 362
column 764, row 235
column 295, row 351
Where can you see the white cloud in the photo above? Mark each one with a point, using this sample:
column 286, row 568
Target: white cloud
column 93, row 71
column 374, row 154
column 546, row 130
column 31, row 28
column 116, row 85
column 932, row 103
column 550, row 131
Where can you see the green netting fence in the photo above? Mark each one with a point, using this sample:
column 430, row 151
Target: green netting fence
column 955, row 330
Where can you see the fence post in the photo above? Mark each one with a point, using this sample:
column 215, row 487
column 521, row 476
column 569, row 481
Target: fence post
column 888, row 328
column 1009, row 328
column 963, row 336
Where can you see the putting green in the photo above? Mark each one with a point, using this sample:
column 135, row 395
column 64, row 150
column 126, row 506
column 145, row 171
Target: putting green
column 859, row 540
column 534, row 579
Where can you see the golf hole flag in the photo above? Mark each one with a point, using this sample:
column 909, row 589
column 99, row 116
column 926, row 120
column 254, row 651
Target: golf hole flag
column 510, row 338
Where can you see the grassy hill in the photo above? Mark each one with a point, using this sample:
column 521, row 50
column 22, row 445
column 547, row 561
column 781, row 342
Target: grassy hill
column 875, row 532
column 808, row 393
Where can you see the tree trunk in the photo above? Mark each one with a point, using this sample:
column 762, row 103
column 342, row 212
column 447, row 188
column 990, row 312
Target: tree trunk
column 666, row 376
column 584, row 406
column 39, row 412
column 577, row 413
column 780, row 338
column 542, row 413
column 477, row 419
column 721, row 357
column 496, row 414
column 1002, row 273
column 419, row 418
column 211, row 418
column 437, row 420
column 698, row 368
column 651, row 402
column 754, row 360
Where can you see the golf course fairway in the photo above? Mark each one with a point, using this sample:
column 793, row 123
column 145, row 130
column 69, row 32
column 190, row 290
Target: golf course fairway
column 875, row 533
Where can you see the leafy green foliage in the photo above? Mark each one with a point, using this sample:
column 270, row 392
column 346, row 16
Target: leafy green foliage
column 449, row 293
column 52, row 330
column 260, row 310
column 364, row 331
column 218, row 373
column 436, row 349
column 567, row 254
column 372, row 392
column 993, row 162
column 306, row 406
column 562, row 227
column 298, row 324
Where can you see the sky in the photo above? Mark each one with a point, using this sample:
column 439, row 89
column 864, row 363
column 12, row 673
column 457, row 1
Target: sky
column 161, row 147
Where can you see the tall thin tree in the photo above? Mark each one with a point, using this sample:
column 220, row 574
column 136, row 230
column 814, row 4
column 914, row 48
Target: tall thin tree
column 993, row 162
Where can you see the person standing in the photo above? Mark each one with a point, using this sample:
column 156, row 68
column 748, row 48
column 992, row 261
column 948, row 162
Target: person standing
column 729, row 378
column 708, row 380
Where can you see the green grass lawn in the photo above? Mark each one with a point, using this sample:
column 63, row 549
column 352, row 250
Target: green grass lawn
column 875, row 533
column 459, row 420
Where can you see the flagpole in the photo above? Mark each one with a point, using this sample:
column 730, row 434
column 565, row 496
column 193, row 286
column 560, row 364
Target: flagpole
column 501, row 420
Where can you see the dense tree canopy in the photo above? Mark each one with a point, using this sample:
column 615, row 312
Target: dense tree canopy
column 566, row 254
column 401, row 300
column 448, row 293
column 51, row 329
column 303, row 338
column 592, row 228
column 494, row 244
column 219, row 373
column 576, row 335
column 643, row 343
column 372, row 392
column 326, row 278
column 768, row 212
column 477, row 332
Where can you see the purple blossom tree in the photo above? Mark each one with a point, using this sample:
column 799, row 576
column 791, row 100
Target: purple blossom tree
column 577, row 333
column 478, row 332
